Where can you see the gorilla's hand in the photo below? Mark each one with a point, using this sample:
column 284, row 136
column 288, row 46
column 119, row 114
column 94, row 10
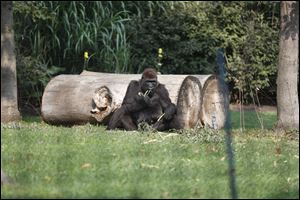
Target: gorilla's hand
column 144, row 98
column 170, row 112
column 147, row 99
column 168, row 115
column 139, row 97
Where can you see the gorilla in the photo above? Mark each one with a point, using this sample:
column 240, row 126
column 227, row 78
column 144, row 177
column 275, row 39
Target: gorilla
column 146, row 100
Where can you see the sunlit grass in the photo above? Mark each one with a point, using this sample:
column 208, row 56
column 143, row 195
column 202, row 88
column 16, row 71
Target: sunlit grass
column 89, row 162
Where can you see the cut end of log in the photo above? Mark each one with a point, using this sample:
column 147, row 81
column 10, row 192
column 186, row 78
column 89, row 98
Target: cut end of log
column 214, row 99
column 189, row 102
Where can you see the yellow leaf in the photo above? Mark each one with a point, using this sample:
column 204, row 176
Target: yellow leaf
column 160, row 50
column 86, row 55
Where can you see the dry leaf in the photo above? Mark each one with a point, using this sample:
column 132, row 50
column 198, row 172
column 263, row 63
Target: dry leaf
column 86, row 165
column 278, row 150
column 149, row 166
column 47, row 178
column 149, row 141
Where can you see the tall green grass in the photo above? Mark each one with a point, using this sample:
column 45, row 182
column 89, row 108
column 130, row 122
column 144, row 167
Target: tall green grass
column 89, row 162
column 60, row 32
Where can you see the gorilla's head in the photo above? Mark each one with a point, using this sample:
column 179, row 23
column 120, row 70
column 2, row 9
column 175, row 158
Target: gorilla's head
column 149, row 80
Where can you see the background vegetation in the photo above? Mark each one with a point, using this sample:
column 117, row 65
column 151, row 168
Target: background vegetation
column 124, row 37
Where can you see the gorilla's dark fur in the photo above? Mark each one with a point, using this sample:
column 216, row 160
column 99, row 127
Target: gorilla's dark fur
column 147, row 101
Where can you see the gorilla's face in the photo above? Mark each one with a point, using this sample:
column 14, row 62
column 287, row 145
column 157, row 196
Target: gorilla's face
column 148, row 84
column 149, row 81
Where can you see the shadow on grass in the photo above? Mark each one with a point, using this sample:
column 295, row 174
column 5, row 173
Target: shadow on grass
column 32, row 118
column 250, row 118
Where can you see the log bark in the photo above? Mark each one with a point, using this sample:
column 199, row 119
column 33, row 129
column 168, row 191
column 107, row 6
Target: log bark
column 92, row 97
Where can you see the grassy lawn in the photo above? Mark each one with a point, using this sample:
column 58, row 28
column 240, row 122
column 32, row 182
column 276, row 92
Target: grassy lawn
column 89, row 162
column 251, row 120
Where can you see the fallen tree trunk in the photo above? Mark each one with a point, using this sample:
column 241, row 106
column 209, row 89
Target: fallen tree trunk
column 93, row 97
column 69, row 99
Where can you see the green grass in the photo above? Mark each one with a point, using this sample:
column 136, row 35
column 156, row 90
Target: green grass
column 88, row 162
column 251, row 119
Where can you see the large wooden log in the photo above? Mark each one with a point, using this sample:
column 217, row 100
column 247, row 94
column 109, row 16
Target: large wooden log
column 69, row 99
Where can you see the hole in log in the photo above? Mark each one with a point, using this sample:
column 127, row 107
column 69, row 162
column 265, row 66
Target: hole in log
column 102, row 103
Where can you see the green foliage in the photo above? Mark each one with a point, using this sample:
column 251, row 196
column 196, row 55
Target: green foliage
column 252, row 54
column 53, row 33
column 169, row 31
column 59, row 32
column 124, row 37
column 191, row 32
column 33, row 76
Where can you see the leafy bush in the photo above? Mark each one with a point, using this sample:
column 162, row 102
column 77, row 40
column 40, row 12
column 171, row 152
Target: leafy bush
column 182, row 53
column 33, row 76
column 191, row 33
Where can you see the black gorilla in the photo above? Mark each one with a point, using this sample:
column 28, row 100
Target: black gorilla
column 147, row 101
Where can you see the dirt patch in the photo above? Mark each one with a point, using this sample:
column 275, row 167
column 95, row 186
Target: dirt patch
column 263, row 108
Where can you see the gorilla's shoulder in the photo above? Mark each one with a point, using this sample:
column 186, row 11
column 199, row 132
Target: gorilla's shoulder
column 161, row 87
column 134, row 83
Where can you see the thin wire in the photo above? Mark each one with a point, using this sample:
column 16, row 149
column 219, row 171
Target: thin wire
column 258, row 116
column 243, row 113
column 240, row 98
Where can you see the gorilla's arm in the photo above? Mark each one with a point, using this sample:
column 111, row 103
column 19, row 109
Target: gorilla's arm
column 168, row 107
column 121, row 117
column 132, row 102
